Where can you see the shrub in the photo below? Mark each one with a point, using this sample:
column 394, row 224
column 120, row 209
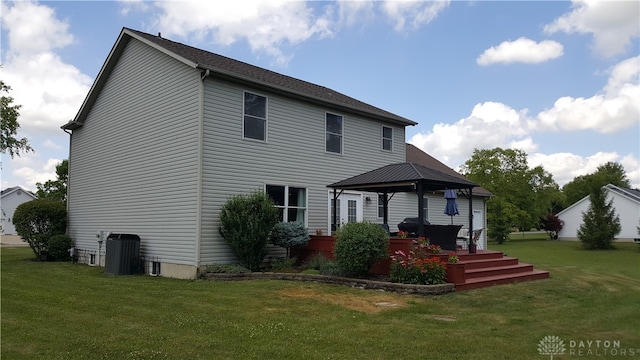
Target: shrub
column 360, row 245
column 246, row 221
column 227, row 269
column 321, row 265
column 59, row 246
column 289, row 234
column 552, row 224
column 417, row 267
column 283, row 265
column 38, row 220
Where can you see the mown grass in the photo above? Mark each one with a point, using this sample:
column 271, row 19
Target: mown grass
column 67, row 311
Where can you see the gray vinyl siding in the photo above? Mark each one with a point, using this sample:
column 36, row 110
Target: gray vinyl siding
column 293, row 155
column 134, row 162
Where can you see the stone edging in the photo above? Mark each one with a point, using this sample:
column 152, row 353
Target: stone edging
column 351, row 282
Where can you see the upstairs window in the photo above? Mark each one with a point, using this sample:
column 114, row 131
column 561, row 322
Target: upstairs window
column 387, row 138
column 333, row 126
column 255, row 117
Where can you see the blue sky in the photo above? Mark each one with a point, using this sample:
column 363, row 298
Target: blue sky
column 559, row 80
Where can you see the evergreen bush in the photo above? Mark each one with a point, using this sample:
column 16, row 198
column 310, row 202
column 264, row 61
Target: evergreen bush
column 245, row 224
column 600, row 224
column 289, row 234
column 359, row 245
column 37, row 221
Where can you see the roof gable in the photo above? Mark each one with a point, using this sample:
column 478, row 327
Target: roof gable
column 417, row 156
column 212, row 64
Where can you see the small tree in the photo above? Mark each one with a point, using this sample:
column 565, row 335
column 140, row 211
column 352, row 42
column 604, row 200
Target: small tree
column 552, row 224
column 289, row 234
column 359, row 245
column 9, row 125
column 245, row 224
column 600, row 223
column 56, row 189
column 501, row 225
column 38, row 220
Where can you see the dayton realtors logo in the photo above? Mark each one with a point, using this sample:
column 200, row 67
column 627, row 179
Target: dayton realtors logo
column 554, row 346
column 551, row 345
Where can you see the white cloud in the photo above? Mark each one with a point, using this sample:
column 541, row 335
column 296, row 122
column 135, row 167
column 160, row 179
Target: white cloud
column 566, row 166
column 614, row 109
column 493, row 124
column 613, row 24
column 267, row 26
column 49, row 98
column 355, row 12
column 49, row 90
column 415, row 12
column 522, row 50
column 489, row 125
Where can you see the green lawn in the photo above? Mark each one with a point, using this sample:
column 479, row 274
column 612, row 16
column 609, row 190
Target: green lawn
column 67, row 311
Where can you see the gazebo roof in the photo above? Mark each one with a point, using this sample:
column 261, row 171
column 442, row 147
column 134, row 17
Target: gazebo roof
column 402, row 177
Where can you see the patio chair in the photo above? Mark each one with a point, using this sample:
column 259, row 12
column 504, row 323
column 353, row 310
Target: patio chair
column 476, row 238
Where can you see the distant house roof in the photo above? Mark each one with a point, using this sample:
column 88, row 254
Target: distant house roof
column 233, row 70
column 401, row 177
column 11, row 190
column 417, row 156
column 631, row 194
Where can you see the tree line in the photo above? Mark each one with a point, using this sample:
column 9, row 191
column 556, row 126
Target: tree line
column 527, row 198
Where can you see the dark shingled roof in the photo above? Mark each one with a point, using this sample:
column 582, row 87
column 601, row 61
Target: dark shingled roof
column 235, row 70
column 418, row 156
column 400, row 177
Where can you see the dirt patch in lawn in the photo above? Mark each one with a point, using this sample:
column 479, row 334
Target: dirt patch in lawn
column 372, row 304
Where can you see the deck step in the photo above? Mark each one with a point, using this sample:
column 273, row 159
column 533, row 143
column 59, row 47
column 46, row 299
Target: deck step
column 486, row 281
column 498, row 270
column 491, row 262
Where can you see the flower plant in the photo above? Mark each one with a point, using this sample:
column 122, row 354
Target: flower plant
column 453, row 258
column 417, row 266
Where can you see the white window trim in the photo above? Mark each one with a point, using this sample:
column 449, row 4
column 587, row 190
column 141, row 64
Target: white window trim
column 326, row 132
column 382, row 138
column 266, row 119
column 285, row 214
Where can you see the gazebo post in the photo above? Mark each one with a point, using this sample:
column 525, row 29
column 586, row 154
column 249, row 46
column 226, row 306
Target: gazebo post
column 471, row 248
column 420, row 209
column 334, row 225
column 385, row 203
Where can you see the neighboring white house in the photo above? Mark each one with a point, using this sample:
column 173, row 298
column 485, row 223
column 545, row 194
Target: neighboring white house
column 168, row 133
column 10, row 199
column 626, row 203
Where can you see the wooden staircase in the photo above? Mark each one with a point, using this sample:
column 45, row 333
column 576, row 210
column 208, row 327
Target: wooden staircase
column 487, row 268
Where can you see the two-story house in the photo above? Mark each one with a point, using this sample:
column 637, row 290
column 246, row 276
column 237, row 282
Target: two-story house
column 168, row 133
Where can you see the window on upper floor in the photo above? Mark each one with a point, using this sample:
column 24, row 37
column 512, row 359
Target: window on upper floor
column 387, row 138
column 255, row 117
column 333, row 126
column 290, row 201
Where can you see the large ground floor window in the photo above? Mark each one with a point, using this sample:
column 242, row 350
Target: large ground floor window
column 291, row 201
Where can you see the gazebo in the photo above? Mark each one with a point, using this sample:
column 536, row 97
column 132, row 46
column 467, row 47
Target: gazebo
column 405, row 177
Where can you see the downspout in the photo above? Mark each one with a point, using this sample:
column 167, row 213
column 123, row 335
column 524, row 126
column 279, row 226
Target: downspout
column 420, row 209
column 199, row 186
column 68, row 179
